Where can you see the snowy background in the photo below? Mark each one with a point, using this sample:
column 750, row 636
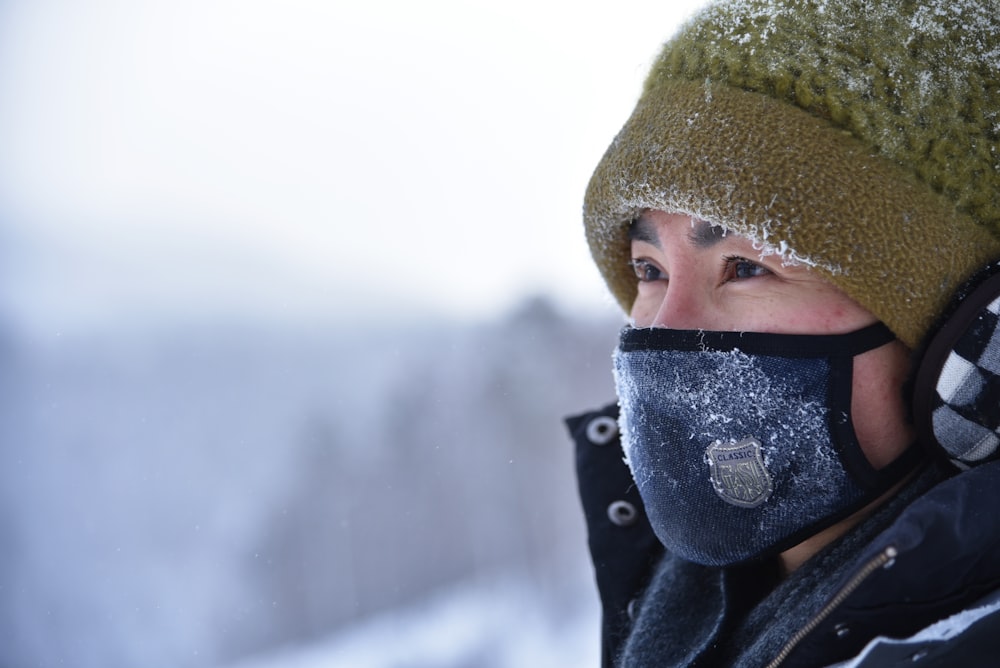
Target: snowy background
column 293, row 296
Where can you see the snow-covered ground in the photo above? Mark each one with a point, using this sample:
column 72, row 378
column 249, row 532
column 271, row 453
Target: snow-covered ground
column 505, row 623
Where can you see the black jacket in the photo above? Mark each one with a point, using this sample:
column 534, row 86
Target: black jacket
column 936, row 556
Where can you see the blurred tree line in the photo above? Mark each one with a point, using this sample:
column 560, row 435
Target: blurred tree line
column 183, row 498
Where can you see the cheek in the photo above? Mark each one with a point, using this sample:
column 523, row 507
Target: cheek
column 820, row 314
column 878, row 409
column 646, row 305
column 847, row 318
column 834, row 320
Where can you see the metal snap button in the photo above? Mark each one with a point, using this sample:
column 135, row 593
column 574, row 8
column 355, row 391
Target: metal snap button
column 631, row 609
column 622, row 513
column 602, row 430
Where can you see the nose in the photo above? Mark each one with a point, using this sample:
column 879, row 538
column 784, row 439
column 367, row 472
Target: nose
column 677, row 305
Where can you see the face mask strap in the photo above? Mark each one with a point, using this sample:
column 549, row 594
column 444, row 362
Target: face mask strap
column 872, row 480
column 757, row 343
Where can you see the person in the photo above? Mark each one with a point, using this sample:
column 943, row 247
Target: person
column 801, row 219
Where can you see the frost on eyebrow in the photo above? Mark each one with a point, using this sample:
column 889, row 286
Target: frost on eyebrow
column 766, row 245
column 704, row 234
column 767, row 236
column 642, row 229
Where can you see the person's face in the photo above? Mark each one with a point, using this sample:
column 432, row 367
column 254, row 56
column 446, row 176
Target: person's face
column 695, row 276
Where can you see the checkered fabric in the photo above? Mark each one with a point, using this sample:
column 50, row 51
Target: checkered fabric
column 966, row 415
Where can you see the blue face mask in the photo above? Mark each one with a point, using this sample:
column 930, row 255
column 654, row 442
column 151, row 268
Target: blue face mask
column 742, row 444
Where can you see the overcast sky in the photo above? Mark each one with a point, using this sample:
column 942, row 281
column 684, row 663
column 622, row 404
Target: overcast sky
column 295, row 158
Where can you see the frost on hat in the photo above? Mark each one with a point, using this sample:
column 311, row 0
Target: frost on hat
column 857, row 137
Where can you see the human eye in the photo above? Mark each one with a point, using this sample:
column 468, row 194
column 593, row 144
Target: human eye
column 646, row 271
column 739, row 268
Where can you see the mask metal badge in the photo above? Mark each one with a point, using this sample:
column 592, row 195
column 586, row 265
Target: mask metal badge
column 738, row 473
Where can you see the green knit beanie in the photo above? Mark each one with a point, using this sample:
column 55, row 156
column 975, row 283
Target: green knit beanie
column 858, row 137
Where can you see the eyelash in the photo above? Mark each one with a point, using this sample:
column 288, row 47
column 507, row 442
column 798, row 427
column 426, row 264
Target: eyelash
column 731, row 262
column 641, row 267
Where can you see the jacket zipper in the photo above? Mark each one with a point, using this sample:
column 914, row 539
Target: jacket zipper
column 878, row 561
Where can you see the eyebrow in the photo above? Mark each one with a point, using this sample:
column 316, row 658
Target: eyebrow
column 642, row 229
column 703, row 234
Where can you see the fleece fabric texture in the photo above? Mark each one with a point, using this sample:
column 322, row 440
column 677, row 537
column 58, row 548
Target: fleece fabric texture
column 857, row 137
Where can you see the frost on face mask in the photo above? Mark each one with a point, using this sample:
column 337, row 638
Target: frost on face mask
column 734, row 451
column 696, row 399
